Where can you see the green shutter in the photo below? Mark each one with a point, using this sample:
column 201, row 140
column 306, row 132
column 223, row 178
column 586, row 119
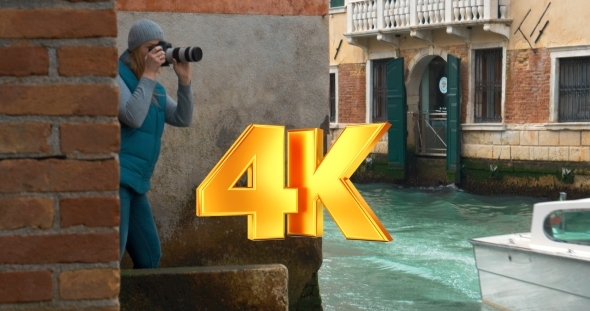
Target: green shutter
column 396, row 113
column 336, row 3
column 454, row 117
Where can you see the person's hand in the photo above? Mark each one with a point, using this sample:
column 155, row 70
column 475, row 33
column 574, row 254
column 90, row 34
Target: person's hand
column 183, row 71
column 153, row 61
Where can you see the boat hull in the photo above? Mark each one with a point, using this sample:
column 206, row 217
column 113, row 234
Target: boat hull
column 516, row 278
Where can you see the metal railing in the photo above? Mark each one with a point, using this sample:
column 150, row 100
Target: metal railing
column 431, row 133
column 574, row 89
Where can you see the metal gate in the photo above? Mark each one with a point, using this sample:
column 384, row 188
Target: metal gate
column 431, row 133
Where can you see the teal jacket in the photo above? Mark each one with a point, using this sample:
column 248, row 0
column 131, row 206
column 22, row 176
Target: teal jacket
column 140, row 147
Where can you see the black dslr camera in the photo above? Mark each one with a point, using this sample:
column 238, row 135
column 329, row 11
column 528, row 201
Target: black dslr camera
column 187, row 54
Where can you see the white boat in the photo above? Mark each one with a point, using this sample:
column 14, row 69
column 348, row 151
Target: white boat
column 546, row 269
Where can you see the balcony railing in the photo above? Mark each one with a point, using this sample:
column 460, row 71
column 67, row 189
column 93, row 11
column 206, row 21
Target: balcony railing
column 366, row 17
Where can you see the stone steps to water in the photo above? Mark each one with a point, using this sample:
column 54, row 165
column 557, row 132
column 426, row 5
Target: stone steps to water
column 248, row 287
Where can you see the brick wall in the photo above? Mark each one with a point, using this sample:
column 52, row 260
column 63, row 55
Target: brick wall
column 352, row 93
column 59, row 209
column 527, row 86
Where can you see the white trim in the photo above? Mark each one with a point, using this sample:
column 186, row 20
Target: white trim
column 497, row 127
column 369, row 90
column 382, row 55
column 568, row 48
column 335, row 126
column 572, row 126
column 490, row 127
column 338, row 9
column 334, row 70
column 469, row 120
column 556, row 54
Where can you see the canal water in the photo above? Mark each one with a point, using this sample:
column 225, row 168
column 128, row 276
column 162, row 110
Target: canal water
column 430, row 263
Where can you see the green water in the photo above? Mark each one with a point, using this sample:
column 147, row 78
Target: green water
column 430, row 264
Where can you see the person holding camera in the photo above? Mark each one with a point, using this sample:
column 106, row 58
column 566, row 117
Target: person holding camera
column 144, row 107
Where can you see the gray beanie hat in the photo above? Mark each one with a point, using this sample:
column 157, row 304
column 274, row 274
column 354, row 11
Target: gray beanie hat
column 143, row 31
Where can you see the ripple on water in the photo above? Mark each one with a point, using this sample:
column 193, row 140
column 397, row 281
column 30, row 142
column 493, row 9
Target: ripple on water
column 430, row 264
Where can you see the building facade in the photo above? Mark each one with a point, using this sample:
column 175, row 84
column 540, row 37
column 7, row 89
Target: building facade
column 499, row 82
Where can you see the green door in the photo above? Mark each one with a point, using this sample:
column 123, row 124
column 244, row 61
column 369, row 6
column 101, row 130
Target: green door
column 453, row 118
column 396, row 114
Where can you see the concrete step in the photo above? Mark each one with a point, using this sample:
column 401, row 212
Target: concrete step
column 251, row 287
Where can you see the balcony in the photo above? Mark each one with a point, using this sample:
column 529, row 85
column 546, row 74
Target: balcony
column 388, row 19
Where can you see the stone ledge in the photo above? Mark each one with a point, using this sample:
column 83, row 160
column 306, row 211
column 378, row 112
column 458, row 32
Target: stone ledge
column 251, row 287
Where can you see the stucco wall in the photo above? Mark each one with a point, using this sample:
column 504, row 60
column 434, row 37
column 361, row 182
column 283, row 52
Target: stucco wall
column 566, row 23
column 265, row 69
column 255, row 69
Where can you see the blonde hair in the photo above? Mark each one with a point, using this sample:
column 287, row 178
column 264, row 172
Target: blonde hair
column 137, row 66
column 137, row 63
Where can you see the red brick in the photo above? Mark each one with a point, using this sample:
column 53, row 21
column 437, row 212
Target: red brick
column 89, row 284
column 52, row 23
column 87, row 137
column 26, row 212
column 24, row 137
column 59, row 248
column 25, row 286
column 58, row 175
column 62, row 99
column 527, row 86
column 261, row 7
column 87, row 60
column 351, row 93
column 90, row 212
column 24, row 61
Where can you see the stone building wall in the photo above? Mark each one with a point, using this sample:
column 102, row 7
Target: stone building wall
column 59, row 210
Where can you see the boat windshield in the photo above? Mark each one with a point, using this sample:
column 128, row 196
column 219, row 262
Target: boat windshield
column 571, row 226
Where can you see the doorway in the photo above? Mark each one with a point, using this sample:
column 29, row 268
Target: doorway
column 431, row 119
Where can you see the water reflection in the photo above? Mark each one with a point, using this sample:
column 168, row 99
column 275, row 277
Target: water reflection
column 429, row 265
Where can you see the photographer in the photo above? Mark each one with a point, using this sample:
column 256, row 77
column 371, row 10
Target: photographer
column 144, row 107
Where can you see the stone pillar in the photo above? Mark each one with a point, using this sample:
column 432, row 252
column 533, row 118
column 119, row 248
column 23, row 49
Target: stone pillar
column 59, row 212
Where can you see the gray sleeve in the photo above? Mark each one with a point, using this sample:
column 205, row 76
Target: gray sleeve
column 133, row 108
column 180, row 114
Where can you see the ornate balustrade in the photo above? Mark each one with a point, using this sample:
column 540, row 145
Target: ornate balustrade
column 386, row 17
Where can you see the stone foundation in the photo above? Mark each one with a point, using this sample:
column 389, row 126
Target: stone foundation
column 254, row 287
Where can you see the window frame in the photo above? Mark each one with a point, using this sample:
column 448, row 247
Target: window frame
column 337, row 9
column 375, row 64
column 489, row 67
column 470, row 117
column 334, row 71
column 556, row 54
column 339, row 6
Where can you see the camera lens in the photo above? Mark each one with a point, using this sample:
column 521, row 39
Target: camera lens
column 186, row 54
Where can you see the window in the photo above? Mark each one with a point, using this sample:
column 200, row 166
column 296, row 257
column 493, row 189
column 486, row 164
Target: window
column 574, row 89
column 568, row 227
column 336, row 3
column 334, row 95
column 488, row 86
column 379, row 108
column 569, row 102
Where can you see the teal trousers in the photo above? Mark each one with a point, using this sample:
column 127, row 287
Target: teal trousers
column 137, row 231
